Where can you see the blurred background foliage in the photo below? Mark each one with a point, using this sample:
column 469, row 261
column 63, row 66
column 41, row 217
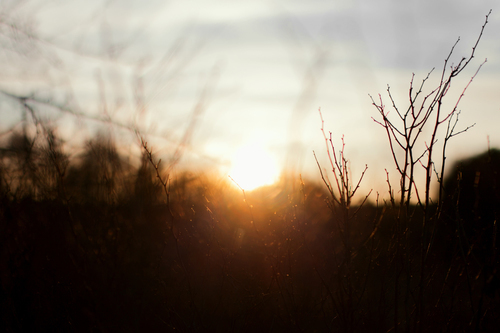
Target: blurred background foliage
column 90, row 243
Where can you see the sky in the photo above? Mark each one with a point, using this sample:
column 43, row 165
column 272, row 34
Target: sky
column 241, row 82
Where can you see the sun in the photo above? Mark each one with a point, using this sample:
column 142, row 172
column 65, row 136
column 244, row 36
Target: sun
column 254, row 166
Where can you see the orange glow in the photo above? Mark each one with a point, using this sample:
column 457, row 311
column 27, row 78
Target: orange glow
column 253, row 166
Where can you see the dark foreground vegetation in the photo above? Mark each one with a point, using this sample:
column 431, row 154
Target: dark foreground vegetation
column 94, row 246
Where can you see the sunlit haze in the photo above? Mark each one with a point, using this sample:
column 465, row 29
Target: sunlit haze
column 252, row 166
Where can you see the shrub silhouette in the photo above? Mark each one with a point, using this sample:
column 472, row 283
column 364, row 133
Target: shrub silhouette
column 100, row 175
column 473, row 207
column 472, row 188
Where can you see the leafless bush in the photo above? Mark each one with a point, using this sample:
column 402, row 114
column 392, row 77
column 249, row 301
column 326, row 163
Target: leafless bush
column 412, row 153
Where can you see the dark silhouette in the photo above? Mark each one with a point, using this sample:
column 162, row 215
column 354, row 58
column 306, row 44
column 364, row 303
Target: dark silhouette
column 472, row 212
column 472, row 188
column 91, row 246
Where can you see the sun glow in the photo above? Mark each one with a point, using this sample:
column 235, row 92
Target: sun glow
column 253, row 166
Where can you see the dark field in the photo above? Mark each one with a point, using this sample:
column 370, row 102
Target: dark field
column 93, row 245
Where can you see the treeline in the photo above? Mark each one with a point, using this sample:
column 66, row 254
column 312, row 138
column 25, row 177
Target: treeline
column 91, row 243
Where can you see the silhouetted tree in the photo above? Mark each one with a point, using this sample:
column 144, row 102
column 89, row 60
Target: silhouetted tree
column 474, row 204
column 100, row 175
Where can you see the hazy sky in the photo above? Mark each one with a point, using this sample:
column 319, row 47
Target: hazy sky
column 261, row 70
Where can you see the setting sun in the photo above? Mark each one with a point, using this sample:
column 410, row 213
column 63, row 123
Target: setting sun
column 253, row 166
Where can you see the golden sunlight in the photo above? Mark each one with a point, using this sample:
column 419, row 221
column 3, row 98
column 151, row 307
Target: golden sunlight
column 253, row 166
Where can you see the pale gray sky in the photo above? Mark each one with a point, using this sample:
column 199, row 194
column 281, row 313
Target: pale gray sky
column 269, row 67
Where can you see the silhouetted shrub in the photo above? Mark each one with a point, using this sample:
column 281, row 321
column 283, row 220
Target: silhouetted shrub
column 473, row 210
column 100, row 175
column 472, row 189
